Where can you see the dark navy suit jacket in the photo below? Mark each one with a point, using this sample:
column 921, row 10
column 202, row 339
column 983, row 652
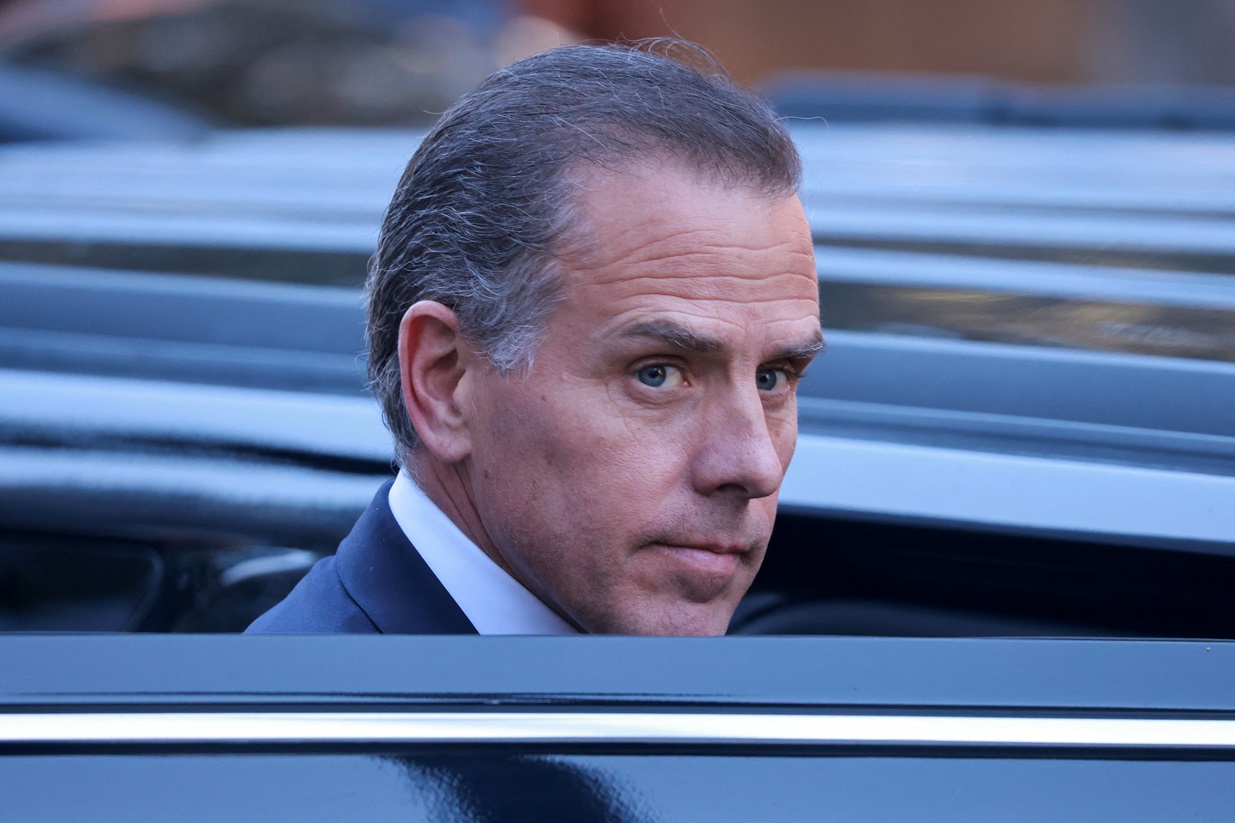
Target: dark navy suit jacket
column 376, row 583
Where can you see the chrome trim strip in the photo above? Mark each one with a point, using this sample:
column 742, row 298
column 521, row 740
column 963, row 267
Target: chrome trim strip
column 608, row 727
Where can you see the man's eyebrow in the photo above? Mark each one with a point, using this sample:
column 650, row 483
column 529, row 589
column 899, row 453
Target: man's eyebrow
column 804, row 351
column 685, row 339
column 674, row 335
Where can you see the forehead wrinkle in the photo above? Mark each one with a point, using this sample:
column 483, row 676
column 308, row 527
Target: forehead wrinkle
column 704, row 287
column 679, row 249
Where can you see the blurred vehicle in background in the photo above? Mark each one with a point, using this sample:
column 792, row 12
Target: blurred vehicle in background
column 1024, row 424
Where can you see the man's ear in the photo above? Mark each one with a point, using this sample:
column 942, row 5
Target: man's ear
column 433, row 358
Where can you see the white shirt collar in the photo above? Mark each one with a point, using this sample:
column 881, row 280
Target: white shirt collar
column 494, row 601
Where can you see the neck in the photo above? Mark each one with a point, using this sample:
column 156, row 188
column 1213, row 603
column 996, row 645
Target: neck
column 448, row 486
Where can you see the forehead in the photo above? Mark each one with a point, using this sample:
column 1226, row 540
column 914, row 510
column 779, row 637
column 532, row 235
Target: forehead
column 661, row 239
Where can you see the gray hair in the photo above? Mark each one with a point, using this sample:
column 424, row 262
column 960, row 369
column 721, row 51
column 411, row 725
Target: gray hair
column 483, row 213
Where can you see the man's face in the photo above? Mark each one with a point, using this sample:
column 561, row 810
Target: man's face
column 629, row 478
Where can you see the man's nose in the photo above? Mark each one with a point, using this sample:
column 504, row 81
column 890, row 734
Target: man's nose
column 737, row 450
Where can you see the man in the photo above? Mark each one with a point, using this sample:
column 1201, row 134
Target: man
column 592, row 299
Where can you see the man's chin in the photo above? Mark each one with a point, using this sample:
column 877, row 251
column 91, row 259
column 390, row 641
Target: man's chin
column 677, row 620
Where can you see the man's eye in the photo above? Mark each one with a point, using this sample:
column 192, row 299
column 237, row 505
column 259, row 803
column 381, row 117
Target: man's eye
column 771, row 379
column 659, row 375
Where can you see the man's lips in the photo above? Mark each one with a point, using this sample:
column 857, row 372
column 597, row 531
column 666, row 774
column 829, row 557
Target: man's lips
column 713, row 559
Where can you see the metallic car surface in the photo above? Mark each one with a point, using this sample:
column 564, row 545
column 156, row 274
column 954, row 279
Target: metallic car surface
column 615, row 728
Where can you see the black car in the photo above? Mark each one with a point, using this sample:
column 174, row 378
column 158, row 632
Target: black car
column 1022, row 437
column 615, row 729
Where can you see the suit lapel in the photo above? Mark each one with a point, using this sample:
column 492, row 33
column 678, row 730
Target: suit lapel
column 387, row 578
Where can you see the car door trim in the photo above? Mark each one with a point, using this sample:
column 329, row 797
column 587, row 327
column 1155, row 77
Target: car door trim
column 562, row 727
